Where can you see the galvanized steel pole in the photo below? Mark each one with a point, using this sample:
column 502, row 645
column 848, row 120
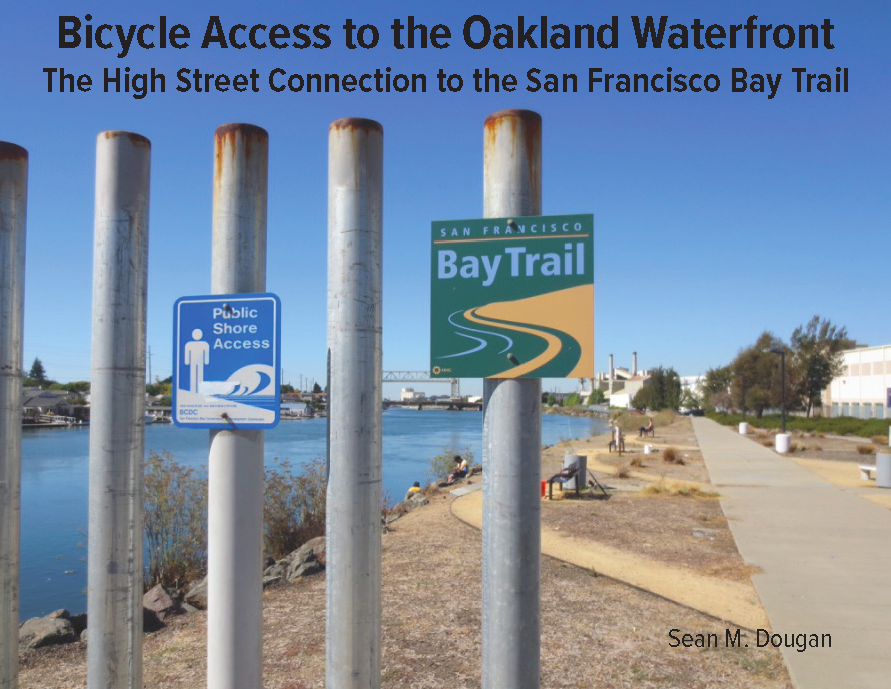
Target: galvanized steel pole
column 120, row 259
column 511, row 441
column 353, row 523
column 13, row 206
column 235, row 463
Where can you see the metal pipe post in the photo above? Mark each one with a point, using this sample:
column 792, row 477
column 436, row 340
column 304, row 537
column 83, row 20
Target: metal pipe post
column 511, row 441
column 235, row 462
column 13, row 206
column 115, row 544
column 353, row 522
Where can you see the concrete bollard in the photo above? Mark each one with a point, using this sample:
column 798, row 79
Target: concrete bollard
column 883, row 470
column 783, row 442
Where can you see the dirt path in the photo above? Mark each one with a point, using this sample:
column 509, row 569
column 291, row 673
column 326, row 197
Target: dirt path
column 734, row 601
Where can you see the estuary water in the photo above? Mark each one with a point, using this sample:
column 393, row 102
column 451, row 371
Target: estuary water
column 55, row 481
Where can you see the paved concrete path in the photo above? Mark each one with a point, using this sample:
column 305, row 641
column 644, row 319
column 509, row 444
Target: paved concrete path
column 825, row 556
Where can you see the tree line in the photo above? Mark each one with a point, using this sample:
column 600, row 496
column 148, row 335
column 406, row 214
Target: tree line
column 753, row 381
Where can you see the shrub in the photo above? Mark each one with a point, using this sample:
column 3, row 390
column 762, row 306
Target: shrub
column 175, row 507
column 629, row 423
column 293, row 506
column 664, row 418
column 866, row 449
column 623, row 471
column 636, row 461
column 672, row 456
column 879, row 439
column 667, row 488
column 842, row 425
column 442, row 464
column 571, row 400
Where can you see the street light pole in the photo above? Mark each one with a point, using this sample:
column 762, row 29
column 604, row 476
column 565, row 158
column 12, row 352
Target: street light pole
column 783, row 384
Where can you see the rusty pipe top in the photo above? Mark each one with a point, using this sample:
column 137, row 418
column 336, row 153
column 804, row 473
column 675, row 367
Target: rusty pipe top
column 135, row 139
column 9, row 151
column 357, row 124
column 234, row 128
column 529, row 117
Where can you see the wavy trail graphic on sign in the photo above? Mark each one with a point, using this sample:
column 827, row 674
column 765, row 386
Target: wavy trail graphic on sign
column 560, row 323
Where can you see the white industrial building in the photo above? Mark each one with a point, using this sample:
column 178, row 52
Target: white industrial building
column 862, row 389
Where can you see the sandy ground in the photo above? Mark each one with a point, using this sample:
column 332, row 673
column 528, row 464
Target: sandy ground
column 733, row 601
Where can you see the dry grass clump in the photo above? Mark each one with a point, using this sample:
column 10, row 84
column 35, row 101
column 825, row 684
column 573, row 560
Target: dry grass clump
column 671, row 456
column 866, row 449
column 687, row 490
column 623, row 471
column 636, row 461
column 879, row 440
column 794, row 447
column 664, row 418
column 767, row 443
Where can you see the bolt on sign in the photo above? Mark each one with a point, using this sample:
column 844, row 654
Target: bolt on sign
column 227, row 361
column 512, row 297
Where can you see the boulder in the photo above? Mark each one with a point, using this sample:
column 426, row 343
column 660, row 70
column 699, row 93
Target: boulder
column 269, row 581
column 414, row 500
column 55, row 628
column 150, row 621
column 307, row 559
column 277, row 569
column 158, row 600
column 197, row 594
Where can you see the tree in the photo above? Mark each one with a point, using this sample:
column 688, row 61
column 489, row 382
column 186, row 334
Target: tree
column 316, row 389
column 716, row 387
column 597, row 396
column 37, row 372
column 816, row 357
column 756, row 384
column 286, row 388
column 661, row 391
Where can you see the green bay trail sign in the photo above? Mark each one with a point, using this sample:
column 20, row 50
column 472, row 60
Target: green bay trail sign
column 227, row 361
column 512, row 297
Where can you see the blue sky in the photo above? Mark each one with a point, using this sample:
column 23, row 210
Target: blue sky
column 717, row 215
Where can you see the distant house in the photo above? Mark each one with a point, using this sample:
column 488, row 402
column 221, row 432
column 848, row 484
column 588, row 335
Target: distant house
column 36, row 402
column 296, row 409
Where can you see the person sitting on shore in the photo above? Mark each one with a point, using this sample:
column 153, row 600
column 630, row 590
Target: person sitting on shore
column 460, row 470
column 416, row 488
column 649, row 429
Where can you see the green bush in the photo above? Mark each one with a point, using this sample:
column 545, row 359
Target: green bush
column 293, row 506
column 597, row 396
column 442, row 464
column 175, row 503
column 571, row 400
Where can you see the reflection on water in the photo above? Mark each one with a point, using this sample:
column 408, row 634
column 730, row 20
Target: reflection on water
column 55, row 482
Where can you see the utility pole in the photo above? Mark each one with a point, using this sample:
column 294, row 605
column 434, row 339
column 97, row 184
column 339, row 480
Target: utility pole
column 353, row 516
column 235, row 462
column 13, row 207
column 120, row 268
column 511, row 441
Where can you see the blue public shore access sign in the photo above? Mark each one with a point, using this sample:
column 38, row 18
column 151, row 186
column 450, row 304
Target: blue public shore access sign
column 227, row 361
